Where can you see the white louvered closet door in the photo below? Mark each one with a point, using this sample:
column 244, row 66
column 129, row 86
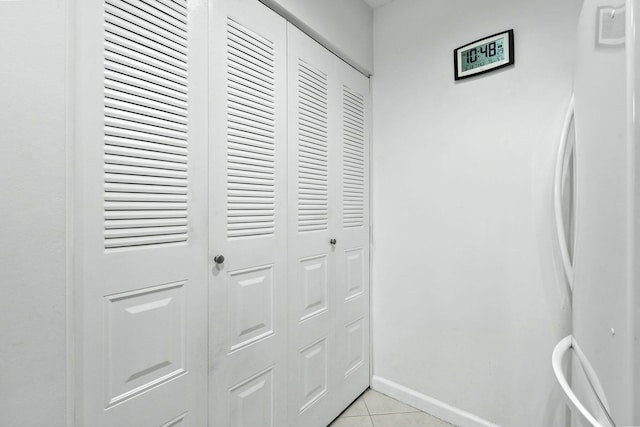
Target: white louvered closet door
column 312, row 181
column 328, row 281
column 140, row 212
column 249, row 222
column 351, row 220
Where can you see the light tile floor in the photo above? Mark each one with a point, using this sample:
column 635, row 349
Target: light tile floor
column 374, row 409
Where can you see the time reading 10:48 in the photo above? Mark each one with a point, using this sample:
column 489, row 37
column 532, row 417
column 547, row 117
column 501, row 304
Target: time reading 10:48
column 483, row 55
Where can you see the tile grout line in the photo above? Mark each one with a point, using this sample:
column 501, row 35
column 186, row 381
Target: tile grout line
column 365, row 402
column 371, row 416
column 367, row 407
column 404, row 412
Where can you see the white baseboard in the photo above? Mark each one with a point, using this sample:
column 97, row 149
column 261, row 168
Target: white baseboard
column 428, row 404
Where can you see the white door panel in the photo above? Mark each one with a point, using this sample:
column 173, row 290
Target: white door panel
column 141, row 213
column 328, row 294
column 312, row 275
column 352, row 223
column 204, row 134
column 248, row 222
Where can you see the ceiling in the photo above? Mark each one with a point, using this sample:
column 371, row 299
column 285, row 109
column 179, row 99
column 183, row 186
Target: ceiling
column 377, row 3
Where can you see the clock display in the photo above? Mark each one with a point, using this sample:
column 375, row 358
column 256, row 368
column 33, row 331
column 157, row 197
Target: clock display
column 482, row 55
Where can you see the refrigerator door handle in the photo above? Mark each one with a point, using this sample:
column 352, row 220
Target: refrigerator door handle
column 564, row 150
column 572, row 400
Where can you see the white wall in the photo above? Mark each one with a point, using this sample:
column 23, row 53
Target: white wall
column 345, row 26
column 32, row 207
column 468, row 297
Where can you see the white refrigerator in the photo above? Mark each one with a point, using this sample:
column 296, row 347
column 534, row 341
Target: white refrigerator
column 598, row 365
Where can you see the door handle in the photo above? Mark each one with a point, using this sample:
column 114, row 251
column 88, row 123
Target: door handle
column 218, row 259
column 333, row 242
column 562, row 158
column 572, row 400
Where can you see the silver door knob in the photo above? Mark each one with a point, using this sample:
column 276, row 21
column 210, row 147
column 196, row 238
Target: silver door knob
column 333, row 242
column 218, row 259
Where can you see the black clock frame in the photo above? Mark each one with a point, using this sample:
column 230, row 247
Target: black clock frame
column 512, row 58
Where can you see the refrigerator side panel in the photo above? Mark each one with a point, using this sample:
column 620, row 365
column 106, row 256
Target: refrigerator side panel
column 604, row 207
column 633, row 96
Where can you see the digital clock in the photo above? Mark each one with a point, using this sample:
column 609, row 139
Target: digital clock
column 484, row 55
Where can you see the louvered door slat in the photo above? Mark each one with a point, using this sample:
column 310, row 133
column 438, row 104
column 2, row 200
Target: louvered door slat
column 244, row 77
column 146, row 76
column 122, row 14
column 238, row 126
column 124, row 43
column 304, row 109
column 250, row 134
column 144, row 87
column 146, row 68
column 247, row 48
column 311, row 156
column 114, row 196
column 313, row 151
column 131, row 112
column 244, row 120
column 242, row 48
column 114, row 123
column 149, row 222
column 255, row 116
column 124, row 137
column 129, row 51
column 132, row 241
column 256, row 146
column 115, row 216
column 178, row 6
column 253, row 104
column 239, row 213
column 146, row 127
column 353, row 158
column 115, row 27
column 312, row 147
column 146, row 105
column 139, row 95
column 246, row 137
column 316, row 120
column 145, row 205
column 173, row 16
column 250, row 64
column 141, row 15
column 144, row 152
column 254, row 39
column 156, row 13
column 133, row 188
column 165, row 230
